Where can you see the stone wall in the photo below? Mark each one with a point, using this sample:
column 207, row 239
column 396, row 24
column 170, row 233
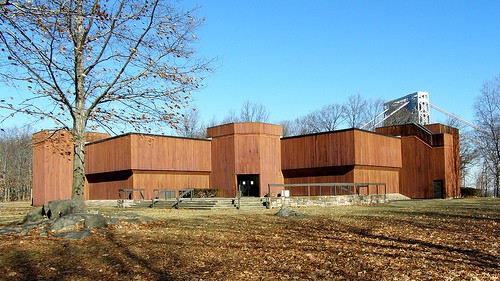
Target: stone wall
column 325, row 201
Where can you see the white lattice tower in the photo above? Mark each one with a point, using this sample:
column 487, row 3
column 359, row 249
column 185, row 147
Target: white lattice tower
column 417, row 103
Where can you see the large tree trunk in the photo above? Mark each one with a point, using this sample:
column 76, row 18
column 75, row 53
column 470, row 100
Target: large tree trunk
column 78, row 160
column 79, row 112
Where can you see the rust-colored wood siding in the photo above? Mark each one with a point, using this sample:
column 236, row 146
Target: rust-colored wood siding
column 349, row 156
column 109, row 155
column 445, row 166
column 150, row 180
column 148, row 152
column 303, row 191
column 369, row 174
column 348, row 177
column 372, row 149
column 148, row 162
column 417, row 174
column 359, row 174
column 223, row 165
column 38, row 171
column 451, row 153
column 319, row 150
column 245, row 149
column 429, row 154
column 341, row 148
column 270, row 163
column 53, row 165
column 159, row 153
column 108, row 190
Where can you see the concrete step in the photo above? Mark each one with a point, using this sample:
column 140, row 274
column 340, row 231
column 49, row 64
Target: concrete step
column 245, row 203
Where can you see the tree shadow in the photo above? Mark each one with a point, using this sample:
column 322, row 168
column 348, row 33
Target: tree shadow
column 21, row 261
column 475, row 257
column 159, row 273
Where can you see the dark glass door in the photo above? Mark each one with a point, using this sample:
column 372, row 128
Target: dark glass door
column 438, row 189
column 249, row 185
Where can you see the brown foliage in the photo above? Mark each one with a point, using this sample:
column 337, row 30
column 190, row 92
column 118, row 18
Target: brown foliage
column 414, row 240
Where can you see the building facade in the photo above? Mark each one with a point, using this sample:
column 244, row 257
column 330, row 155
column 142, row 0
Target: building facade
column 414, row 160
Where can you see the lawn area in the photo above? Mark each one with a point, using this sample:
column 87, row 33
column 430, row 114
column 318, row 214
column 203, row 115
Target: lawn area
column 405, row 240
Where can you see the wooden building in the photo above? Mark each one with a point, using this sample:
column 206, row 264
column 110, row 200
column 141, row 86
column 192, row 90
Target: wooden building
column 416, row 161
column 246, row 156
column 347, row 156
column 430, row 162
column 149, row 162
column 52, row 164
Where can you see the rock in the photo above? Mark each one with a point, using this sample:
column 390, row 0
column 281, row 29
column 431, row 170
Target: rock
column 28, row 226
column 61, row 208
column 74, row 234
column 89, row 221
column 68, row 221
column 286, row 212
column 95, row 221
column 35, row 215
column 10, row 230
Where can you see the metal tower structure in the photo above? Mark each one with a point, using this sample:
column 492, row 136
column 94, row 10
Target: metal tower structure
column 416, row 103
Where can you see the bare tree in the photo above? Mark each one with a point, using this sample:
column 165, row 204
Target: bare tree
column 253, row 112
column 374, row 109
column 326, row 119
column 294, row 128
column 231, row 117
column 190, row 125
column 99, row 64
column 355, row 111
column 468, row 151
column 485, row 181
column 249, row 112
column 15, row 163
column 487, row 113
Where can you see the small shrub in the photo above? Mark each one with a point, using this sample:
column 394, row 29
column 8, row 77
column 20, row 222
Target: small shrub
column 470, row 192
column 204, row 193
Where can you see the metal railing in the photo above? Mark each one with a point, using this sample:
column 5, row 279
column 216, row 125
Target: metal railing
column 128, row 193
column 171, row 194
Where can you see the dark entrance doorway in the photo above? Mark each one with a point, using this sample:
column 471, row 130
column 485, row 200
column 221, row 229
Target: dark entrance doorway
column 249, row 185
column 438, row 189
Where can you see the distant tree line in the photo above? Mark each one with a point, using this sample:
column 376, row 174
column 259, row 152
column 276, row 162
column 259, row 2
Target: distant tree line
column 15, row 164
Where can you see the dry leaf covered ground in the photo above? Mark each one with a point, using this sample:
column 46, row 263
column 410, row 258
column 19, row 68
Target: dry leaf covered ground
column 411, row 240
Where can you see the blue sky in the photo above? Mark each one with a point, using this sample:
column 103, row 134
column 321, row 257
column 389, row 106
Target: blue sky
column 296, row 56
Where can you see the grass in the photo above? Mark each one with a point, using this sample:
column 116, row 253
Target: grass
column 406, row 240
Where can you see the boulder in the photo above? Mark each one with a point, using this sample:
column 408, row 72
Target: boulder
column 95, row 221
column 286, row 212
column 35, row 215
column 61, row 208
column 74, row 234
column 68, row 221
column 10, row 230
column 88, row 221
